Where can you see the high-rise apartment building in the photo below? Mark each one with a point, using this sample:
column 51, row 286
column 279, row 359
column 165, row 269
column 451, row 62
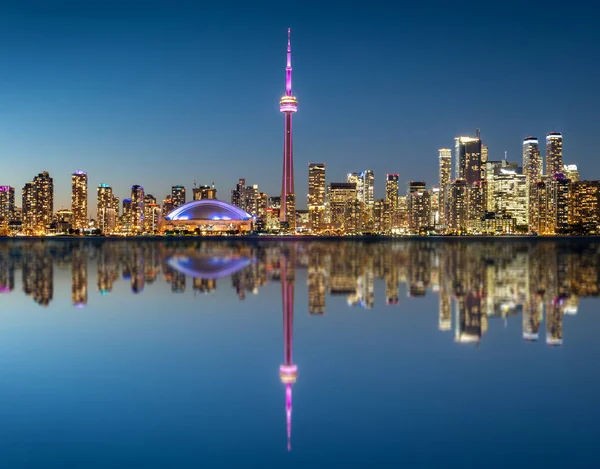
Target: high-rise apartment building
column 584, row 207
column 38, row 203
column 250, row 204
column 419, row 207
column 458, row 201
column 560, row 203
column 571, row 172
column 128, row 217
column 204, row 192
column 238, row 195
column 392, row 182
column 167, row 206
column 532, row 169
column 28, row 207
column 137, row 208
column 445, row 177
column 108, row 209
column 178, row 196
column 468, row 159
column 316, row 196
column 44, row 189
column 7, row 203
column 340, row 201
column 262, row 203
column 79, row 194
column 151, row 214
column 554, row 153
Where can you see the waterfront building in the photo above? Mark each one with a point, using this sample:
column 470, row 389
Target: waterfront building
column 107, row 209
column 64, row 220
column 128, row 217
column 392, row 190
column 468, row 159
column 288, row 105
column 340, row 201
column 458, row 205
column 316, row 196
column 419, row 207
column 167, row 205
column 7, row 203
column 571, row 172
column 445, row 178
column 207, row 216
column 79, row 196
column 262, row 204
column 238, row 195
column 554, row 153
column 507, row 194
column 204, row 192
column 250, row 204
column 178, row 196
column 532, row 168
column 584, row 207
column 38, row 204
column 137, row 208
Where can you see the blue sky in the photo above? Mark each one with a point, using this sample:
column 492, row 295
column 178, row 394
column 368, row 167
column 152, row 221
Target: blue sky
column 163, row 93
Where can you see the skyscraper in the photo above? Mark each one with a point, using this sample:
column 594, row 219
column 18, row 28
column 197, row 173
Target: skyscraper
column 79, row 180
column 204, row 192
column 137, row 208
column 341, row 199
column 532, row 168
column 44, row 200
column 468, row 159
column 288, row 105
column 554, row 157
column 445, row 170
column 419, row 207
column 178, row 196
column 108, row 209
column 7, row 202
column 238, row 197
column 391, row 190
column 38, row 203
column 316, row 195
column 28, row 207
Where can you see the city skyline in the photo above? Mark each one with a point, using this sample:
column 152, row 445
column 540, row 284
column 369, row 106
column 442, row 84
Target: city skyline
column 92, row 128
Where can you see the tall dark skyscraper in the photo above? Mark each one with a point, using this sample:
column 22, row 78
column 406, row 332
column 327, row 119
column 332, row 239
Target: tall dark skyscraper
column 288, row 105
column 178, row 196
column 468, row 159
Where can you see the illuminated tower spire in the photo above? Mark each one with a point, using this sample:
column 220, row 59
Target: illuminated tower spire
column 288, row 372
column 288, row 105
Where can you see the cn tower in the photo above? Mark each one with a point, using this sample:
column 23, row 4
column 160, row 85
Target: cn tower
column 288, row 105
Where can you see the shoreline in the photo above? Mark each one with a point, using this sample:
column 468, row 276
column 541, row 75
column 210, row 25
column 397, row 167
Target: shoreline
column 296, row 238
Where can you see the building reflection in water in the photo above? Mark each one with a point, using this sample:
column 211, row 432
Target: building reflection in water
column 477, row 282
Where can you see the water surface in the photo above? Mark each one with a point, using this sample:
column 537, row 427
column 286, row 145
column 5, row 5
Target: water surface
column 155, row 354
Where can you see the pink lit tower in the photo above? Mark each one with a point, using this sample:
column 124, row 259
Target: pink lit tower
column 288, row 105
column 288, row 372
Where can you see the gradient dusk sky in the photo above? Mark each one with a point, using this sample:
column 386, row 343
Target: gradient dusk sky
column 163, row 92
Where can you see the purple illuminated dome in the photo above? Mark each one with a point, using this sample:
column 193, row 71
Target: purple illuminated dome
column 288, row 105
column 208, row 215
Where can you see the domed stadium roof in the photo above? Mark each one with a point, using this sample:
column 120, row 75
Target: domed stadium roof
column 208, row 209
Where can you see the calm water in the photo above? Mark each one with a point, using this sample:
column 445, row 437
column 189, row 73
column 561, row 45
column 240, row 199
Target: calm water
column 151, row 354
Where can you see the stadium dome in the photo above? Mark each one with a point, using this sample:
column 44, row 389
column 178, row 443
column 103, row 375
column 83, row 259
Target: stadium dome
column 208, row 215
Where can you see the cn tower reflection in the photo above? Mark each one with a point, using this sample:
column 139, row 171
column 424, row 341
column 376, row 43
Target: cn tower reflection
column 288, row 372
